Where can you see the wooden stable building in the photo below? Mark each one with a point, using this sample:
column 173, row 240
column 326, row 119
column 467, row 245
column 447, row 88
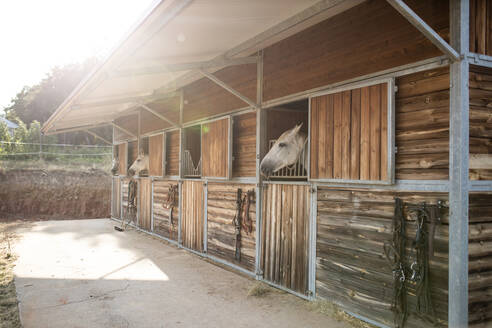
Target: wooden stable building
column 396, row 99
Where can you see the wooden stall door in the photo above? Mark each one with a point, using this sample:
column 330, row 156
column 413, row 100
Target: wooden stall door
column 221, row 232
column 126, row 215
column 116, row 198
column 156, row 149
column 172, row 153
column 166, row 209
column 349, row 134
column 215, row 149
column 285, row 235
column 192, row 215
column 122, row 152
column 144, row 203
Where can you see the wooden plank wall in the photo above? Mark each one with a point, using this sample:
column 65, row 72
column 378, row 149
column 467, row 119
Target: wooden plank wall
column 168, row 107
column 481, row 27
column 244, row 145
column 480, row 260
column 116, row 198
column 162, row 221
column 172, row 153
column 221, row 233
column 215, row 148
column 122, row 167
column 352, row 269
column 132, row 152
column 368, row 38
column 422, row 125
column 480, row 123
column 349, row 134
column 193, row 139
column 144, row 203
column 129, row 123
column 192, row 216
column 281, row 119
column 285, row 235
column 156, row 147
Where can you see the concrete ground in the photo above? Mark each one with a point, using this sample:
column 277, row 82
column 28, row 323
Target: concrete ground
column 85, row 274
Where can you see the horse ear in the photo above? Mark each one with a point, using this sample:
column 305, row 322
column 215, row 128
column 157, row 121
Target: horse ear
column 296, row 129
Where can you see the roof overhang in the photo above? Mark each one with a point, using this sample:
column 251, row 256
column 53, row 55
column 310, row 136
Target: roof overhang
column 174, row 43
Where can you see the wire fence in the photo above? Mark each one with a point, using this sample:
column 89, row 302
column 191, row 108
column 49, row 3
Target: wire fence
column 57, row 153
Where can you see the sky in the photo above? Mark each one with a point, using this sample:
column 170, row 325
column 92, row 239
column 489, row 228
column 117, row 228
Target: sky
column 37, row 35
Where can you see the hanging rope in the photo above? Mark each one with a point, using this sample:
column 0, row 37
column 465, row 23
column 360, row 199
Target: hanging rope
column 131, row 207
column 171, row 203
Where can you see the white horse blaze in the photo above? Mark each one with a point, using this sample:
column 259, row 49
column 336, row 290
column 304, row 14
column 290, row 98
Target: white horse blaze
column 285, row 151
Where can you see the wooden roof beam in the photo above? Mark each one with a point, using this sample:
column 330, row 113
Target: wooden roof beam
column 123, row 100
column 160, row 69
column 75, row 129
column 425, row 29
column 123, row 129
column 95, row 135
column 229, row 88
column 162, row 117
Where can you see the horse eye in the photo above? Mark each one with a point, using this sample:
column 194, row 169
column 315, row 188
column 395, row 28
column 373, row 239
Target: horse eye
column 282, row 144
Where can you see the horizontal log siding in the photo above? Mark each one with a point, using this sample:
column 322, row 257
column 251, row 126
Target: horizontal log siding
column 172, row 153
column 285, row 235
column 480, row 260
column 144, row 203
column 162, row 223
column 244, row 145
column 221, row 233
column 422, row 125
column 480, row 123
column 352, row 269
column 368, row 38
column 481, row 27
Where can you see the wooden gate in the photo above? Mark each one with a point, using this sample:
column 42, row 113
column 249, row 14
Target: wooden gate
column 125, row 214
column 192, row 215
column 116, row 201
column 144, row 203
column 165, row 219
column 285, row 235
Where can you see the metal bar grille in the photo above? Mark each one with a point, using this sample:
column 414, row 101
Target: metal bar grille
column 190, row 170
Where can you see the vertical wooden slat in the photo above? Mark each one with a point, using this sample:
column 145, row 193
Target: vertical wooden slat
column 384, row 131
column 329, row 137
column 375, row 141
column 473, row 4
column 278, row 223
column 346, row 104
column 337, row 136
column 480, row 28
column 122, row 165
column 155, row 155
column 295, row 206
column 355, row 136
column 314, row 138
column 488, row 34
column 322, row 125
column 365, row 135
column 273, row 230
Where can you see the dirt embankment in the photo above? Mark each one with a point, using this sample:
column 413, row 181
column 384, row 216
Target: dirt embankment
column 55, row 193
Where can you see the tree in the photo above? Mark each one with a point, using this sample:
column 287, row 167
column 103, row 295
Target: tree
column 38, row 102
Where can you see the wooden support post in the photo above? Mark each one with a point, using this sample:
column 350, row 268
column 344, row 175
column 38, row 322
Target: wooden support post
column 458, row 167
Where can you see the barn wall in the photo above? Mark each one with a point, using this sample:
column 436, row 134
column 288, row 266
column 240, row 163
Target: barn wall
column 156, row 148
column 352, row 269
column 144, row 203
column 285, row 235
column 244, row 145
column 221, row 234
column 481, row 27
column 192, row 215
column 129, row 123
column 480, row 260
column 168, row 107
column 215, row 148
column 164, row 225
column 480, row 123
column 116, row 198
column 172, row 152
column 422, row 125
column 368, row 38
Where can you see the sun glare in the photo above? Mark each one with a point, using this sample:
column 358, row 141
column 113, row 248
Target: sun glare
column 38, row 35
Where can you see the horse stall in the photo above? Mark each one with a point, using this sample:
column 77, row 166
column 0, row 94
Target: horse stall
column 337, row 150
